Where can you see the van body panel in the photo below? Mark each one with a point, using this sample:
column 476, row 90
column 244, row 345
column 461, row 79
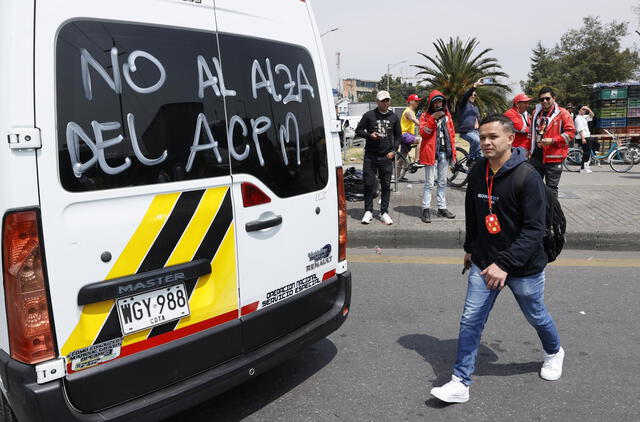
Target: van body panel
column 280, row 262
column 18, row 169
column 153, row 116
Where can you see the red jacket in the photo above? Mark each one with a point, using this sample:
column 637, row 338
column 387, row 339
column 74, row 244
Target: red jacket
column 560, row 128
column 428, row 132
column 522, row 126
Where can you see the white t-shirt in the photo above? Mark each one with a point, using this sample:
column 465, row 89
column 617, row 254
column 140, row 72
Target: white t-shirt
column 581, row 125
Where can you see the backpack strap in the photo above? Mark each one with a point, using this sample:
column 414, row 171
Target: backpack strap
column 519, row 177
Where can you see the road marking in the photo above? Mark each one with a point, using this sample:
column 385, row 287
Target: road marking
column 448, row 260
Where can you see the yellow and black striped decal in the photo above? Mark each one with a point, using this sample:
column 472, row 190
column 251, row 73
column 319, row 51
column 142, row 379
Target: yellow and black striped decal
column 176, row 228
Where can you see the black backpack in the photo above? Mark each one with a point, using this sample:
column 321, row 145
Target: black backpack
column 556, row 224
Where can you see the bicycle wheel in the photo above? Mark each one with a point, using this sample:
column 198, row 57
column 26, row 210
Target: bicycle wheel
column 458, row 172
column 622, row 159
column 573, row 160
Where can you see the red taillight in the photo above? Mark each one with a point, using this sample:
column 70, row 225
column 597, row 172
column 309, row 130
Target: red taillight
column 342, row 216
column 30, row 334
column 252, row 195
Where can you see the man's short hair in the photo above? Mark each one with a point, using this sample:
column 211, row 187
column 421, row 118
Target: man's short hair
column 504, row 121
column 546, row 89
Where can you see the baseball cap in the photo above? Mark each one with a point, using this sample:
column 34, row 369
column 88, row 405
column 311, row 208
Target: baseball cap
column 413, row 97
column 570, row 106
column 382, row 95
column 520, row 98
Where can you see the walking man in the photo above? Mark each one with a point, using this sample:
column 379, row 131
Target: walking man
column 505, row 225
column 380, row 128
column 583, row 136
column 437, row 150
column 521, row 121
column 552, row 131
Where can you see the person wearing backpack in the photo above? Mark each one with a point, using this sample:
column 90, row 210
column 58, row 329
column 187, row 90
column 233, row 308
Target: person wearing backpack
column 505, row 227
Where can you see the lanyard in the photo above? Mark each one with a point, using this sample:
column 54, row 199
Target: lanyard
column 489, row 187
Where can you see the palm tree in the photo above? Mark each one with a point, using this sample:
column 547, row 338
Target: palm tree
column 456, row 66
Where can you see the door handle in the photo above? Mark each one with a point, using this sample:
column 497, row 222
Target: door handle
column 253, row 226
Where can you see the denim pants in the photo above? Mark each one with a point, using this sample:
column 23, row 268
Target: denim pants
column 473, row 138
column 529, row 293
column 441, row 166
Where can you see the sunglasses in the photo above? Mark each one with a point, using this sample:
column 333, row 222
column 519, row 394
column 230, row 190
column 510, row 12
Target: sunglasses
column 543, row 99
column 386, row 100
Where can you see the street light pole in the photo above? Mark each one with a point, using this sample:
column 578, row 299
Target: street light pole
column 389, row 66
column 327, row 31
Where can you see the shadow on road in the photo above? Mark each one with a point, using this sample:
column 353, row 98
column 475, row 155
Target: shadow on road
column 410, row 210
column 242, row 401
column 441, row 354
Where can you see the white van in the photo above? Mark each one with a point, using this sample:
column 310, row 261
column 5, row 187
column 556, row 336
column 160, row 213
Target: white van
column 174, row 219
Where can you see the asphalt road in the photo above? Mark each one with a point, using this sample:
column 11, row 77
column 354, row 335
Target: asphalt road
column 400, row 341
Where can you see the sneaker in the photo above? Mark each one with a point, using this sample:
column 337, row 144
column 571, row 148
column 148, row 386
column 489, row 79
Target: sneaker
column 443, row 212
column 386, row 219
column 403, row 179
column 426, row 216
column 552, row 366
column 452, row 392
column 366, row 219
column 586, row 171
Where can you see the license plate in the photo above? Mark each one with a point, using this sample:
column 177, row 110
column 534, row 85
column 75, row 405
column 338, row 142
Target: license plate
column 149, row 309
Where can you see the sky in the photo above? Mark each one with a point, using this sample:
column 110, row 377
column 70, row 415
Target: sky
column 375, row 33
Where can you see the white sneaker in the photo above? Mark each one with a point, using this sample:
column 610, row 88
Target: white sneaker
column 452, row 392
column 586, row 171
column 386, row 219
column 366, row 219
column 552, row 366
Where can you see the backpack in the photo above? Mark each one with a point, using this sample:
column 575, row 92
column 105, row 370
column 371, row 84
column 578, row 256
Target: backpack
column 556, row 223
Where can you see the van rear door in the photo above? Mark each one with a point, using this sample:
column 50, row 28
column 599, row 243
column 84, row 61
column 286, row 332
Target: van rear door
column 284, row 178
column 138, row 228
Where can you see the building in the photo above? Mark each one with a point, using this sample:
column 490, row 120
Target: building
column 353, row 89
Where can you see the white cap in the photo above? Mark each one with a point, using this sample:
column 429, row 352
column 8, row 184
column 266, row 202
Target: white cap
column 383, row 95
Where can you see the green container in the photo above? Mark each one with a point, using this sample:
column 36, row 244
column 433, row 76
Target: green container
column 613, row 93
column 611, row 113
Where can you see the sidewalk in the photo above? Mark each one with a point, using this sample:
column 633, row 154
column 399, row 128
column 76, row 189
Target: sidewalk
column 602, row 211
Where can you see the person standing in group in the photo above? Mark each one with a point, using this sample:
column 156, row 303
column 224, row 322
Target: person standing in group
column 550, row 136
column 584, row 116
column 408, row 123
column 437, row 150
column 521, row 121
column 468, row 116
column 503, row 247
column 380, row 128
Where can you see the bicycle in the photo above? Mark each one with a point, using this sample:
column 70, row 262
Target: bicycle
column 458, row 172
column 404, row 163
column 620, row 158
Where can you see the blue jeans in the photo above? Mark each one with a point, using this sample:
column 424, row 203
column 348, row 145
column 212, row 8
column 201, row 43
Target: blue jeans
column 473, row 138
column 529, row 293
column 436, row 173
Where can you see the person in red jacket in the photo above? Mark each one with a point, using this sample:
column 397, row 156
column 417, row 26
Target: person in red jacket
column 437, row 150
column 521, row 121
column 552, row 130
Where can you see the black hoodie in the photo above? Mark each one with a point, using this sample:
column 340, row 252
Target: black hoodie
column 518, row 248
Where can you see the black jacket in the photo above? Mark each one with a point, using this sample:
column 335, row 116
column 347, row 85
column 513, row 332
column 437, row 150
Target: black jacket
column 518, row 248
column 388, row 125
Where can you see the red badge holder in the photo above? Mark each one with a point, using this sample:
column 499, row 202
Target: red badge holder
column 492, row 223
column 491, row 220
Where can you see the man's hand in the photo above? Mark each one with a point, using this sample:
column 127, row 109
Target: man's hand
column 546, row 141
column 467, row 260
column 390, row 155
column 437, row 114
column 494, row 277
column 375, row 136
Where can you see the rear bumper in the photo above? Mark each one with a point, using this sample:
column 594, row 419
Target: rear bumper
column 48, row 402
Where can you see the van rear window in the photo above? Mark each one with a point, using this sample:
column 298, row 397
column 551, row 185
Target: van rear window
column 140, row 105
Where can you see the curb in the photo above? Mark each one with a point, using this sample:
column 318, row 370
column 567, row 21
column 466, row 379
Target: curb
column 454, row 239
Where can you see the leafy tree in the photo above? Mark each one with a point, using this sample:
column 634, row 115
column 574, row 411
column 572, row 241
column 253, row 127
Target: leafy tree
column 583, row 56
column 456, row 66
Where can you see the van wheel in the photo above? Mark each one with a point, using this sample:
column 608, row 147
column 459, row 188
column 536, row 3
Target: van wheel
column 6, row 413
